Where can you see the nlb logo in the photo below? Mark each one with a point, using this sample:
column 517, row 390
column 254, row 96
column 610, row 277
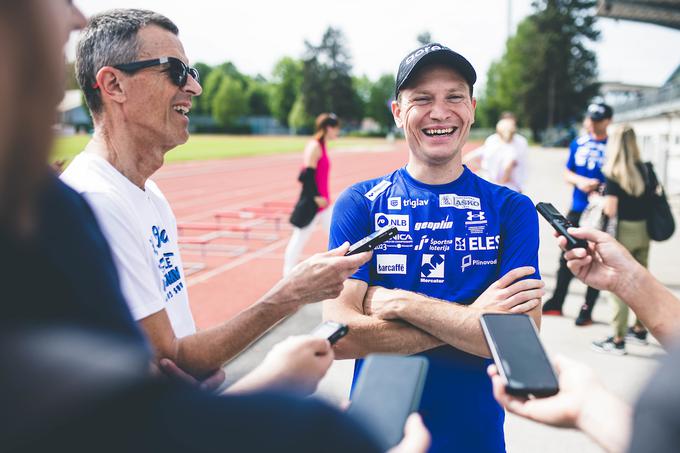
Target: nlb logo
column 391, row 264
column 400, row 221
column 452, row 200
column 445, row 224
column 432, row 268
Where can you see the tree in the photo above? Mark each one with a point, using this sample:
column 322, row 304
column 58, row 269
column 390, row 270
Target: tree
column 547, row 75
column 201, row 107
column 378, row 104
column 299, row 119
column 230, row 103
column 286, row 85
column 424, row 38
column 327, row 82
column 211, row 85
column 258, row 95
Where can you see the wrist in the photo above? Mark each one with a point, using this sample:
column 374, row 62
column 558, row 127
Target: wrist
column 590, row 410
column 630, row 280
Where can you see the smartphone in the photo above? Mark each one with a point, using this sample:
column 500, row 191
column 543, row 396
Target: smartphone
column 331, row 331
column 560, row 224
column 519, row 355
column 372, row 240
column 386, row 392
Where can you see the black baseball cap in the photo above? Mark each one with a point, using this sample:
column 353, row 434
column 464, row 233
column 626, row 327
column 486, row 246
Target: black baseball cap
column 599, row 111
column 429, row 54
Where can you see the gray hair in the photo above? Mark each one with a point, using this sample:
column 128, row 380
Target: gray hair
column 109, row 39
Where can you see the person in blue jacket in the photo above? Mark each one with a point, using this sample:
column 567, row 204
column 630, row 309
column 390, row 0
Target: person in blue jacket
column 584, row 172
column 465, row 247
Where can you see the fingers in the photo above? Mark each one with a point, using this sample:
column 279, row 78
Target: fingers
column 214, row 381
column 527, row 306
column 416, row 436
column 338, row 251
column 589, row 234
column 513, row 276
column 172, row 370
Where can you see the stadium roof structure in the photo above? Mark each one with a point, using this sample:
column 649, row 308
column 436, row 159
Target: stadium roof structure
column 659, row 12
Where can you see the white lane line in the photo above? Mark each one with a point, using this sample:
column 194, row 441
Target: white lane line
column 237, row 262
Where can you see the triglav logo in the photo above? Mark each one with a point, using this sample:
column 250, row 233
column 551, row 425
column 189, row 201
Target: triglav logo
column 391, row 264
column 400, row 221
column 415, row 203
column 432, row 269
column 451, row 200
column 394, row 203
column 445, row 224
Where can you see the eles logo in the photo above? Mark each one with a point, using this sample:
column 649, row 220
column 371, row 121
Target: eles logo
column 401, row 221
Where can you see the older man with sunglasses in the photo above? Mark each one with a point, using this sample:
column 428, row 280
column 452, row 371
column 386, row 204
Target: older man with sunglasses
column 132, row 68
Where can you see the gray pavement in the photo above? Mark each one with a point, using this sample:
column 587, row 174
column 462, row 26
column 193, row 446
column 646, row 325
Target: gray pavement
column 622, row 375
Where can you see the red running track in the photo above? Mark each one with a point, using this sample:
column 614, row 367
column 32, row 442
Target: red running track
column 228, row 284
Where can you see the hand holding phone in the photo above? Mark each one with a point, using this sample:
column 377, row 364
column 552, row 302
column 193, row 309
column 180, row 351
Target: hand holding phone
column 519, row 354
column 560, row 224
column 331, row 331
column 372, row 240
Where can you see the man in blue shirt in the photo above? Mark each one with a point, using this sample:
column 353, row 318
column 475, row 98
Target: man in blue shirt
column 463, row 245
column 584, row 172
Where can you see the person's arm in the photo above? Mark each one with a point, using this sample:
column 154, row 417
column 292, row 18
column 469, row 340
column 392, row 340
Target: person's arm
column 581, row 403
column 584, row 184
column 607, row 265
column 317, row 278
column 456, row 324
column 368, row 334
column 296, row 365
column 310, row 159
column 611, row 204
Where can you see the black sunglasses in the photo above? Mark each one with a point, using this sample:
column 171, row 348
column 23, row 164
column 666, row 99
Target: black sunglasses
column 179, row 72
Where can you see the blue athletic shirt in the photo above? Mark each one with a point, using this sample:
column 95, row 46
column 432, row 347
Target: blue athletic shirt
column 586, row 157
column 454, row 240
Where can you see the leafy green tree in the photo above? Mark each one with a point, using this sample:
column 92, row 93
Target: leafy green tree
column 327, row 81
column 286, row 85
column 378, row 104
column 424, row 38
column 299, row 119
column 547, row 74
column 230, row 102
column 211, row 85
column 258, row 97
column 201, row 107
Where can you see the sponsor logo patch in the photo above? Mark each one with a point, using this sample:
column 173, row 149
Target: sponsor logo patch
column 394, row 203
column 476, row 222
column 451, row 200
column 468, row 261
column 445, row 224
column 377, row 189
column 391, row 264
column 401, row 221
column 415, row 203
column 432, row 268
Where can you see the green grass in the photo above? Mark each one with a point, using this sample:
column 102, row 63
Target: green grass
column 203, row 147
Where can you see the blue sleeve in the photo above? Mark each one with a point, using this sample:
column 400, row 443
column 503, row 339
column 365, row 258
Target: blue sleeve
column 351, row 222
column 571, row 163
column 519, row 235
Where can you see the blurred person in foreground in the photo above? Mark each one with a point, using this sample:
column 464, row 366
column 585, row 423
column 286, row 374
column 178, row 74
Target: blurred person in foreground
column 75, row 367
column 503, row 155
column 465, row 247
column 132, row 67
column 583, row 402
column 627, row 199
column 584, row 172
column 315, row 178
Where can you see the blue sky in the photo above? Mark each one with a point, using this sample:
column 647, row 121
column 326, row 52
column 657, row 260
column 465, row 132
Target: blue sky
column 254, row 34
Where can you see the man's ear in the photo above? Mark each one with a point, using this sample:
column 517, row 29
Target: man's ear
column 109, row 84
column 396, row 113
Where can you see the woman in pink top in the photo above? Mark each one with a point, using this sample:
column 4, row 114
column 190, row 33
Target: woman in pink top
column 316, row 167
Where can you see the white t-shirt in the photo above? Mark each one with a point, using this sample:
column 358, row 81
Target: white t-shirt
column 142, row 233
column 497, row 155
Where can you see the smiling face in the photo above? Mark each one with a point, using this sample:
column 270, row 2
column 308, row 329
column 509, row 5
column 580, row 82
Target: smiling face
column 155, row 109
column 436, row 112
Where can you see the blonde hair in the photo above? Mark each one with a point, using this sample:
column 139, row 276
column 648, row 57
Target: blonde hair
column 623, row 155
column 506, row 129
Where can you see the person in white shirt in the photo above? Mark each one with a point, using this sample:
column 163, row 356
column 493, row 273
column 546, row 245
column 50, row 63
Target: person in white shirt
column 133, row 70
column 503, row 155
